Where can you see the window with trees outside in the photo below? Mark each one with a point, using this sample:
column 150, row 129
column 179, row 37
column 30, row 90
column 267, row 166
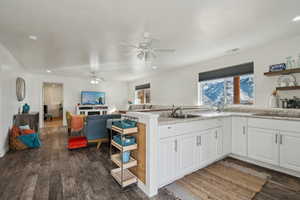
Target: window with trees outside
column 238, row 88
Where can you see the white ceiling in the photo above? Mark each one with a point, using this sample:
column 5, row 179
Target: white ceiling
column 71, row 31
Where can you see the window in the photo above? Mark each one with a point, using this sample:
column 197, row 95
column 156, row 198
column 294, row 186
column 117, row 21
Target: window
column 232, row 85
column 142, row 94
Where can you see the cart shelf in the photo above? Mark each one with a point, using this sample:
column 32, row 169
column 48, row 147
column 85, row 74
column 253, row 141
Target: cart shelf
column 116, row 158
column 125, row 131
column 124, row 148
column 128, row 177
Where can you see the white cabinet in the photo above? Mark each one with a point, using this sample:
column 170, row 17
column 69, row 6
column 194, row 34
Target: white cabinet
column 188, row 153
column 181, row 154
column 218, row 133
column 263, row 145
column 275, row 142
column 203, row 146
column 168, row 159
column 239, row 136
column 226, row 135
column 209, row 143
column 290, row 150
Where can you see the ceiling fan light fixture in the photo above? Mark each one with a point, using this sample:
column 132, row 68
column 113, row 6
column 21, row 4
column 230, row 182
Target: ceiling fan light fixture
column 296, row 19
column 94, row 81
column 141, row 55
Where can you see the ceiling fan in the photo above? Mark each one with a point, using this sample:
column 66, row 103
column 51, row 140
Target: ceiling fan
column 94, row 79
column 146, row 50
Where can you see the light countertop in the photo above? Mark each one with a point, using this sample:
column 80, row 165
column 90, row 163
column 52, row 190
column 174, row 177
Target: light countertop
column 214, row 115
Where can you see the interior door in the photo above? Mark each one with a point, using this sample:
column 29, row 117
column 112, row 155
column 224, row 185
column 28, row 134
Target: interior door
column 290, row 150
column 188, row 145
column 263, row 145
column 168, row 160
column 239, row 136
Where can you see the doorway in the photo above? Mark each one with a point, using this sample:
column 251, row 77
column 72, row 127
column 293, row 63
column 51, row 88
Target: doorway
column 53, row 104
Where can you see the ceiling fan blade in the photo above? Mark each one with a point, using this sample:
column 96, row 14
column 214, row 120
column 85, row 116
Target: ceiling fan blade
column 164, row 50
column 129, row 45
column 100, row 79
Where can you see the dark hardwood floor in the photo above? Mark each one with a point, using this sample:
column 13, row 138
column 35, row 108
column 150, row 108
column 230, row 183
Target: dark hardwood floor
column 53, row 172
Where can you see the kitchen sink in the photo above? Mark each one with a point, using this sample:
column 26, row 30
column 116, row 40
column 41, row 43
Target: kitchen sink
column 211, row 114
column 187, row 116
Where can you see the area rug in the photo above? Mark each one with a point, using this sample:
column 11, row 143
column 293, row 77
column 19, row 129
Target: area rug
column 220, row 181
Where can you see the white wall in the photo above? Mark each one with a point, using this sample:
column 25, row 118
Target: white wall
column 116, row 92
column 9, row 71
column 180, row 86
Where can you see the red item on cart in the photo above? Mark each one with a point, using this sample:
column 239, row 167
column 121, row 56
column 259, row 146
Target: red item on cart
column 77, row 142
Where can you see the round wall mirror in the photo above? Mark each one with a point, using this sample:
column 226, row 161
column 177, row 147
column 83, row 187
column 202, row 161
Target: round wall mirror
column 20, row 89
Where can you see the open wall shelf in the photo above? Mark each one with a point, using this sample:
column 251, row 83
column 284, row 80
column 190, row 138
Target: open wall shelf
column 289, row 88
column 284, row 72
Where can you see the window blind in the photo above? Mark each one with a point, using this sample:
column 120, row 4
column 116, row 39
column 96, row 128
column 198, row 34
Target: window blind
column 144, row 86
column 237, row 70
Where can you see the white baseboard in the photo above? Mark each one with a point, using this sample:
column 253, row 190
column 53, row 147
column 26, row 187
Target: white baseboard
column 266, row 165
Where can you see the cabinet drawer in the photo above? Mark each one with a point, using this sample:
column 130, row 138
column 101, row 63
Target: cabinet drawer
column 275, row 124
column 182, row 128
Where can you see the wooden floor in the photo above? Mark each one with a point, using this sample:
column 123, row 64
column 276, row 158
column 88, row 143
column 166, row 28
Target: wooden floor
column 203, row 183
column 223, row 181
column 53, row 172
column 54, row 123
column 278, row 187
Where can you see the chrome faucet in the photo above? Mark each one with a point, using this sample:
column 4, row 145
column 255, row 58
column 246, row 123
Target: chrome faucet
column 174, row 110
column 220, row 107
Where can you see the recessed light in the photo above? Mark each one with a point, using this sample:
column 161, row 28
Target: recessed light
column 296, row 19
column 48, row 71
column 32, row 37
column 154, row 67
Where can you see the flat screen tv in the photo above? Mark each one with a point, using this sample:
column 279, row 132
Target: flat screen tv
column 92, row 98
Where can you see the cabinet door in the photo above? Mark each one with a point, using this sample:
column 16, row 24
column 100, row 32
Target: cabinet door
column 218, row 136
column 239, row 136
column 167, row 160
column 290, row 150
column 187, row 146
column 207, row 148
column 263, row 145
column 227, row 135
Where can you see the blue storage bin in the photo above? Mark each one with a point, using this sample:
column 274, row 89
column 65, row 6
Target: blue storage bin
column 126, row 156
column 127, row 140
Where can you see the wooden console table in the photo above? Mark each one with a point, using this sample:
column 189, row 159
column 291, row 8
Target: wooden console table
column 32, row 119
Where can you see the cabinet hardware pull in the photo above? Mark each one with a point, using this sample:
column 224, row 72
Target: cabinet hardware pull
column 169, row 127
column 276, row 139
column 280, row 139
column 175, row 145
column 197, row 140
column 200, row 140
column 216, row 134
column 244, row 130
